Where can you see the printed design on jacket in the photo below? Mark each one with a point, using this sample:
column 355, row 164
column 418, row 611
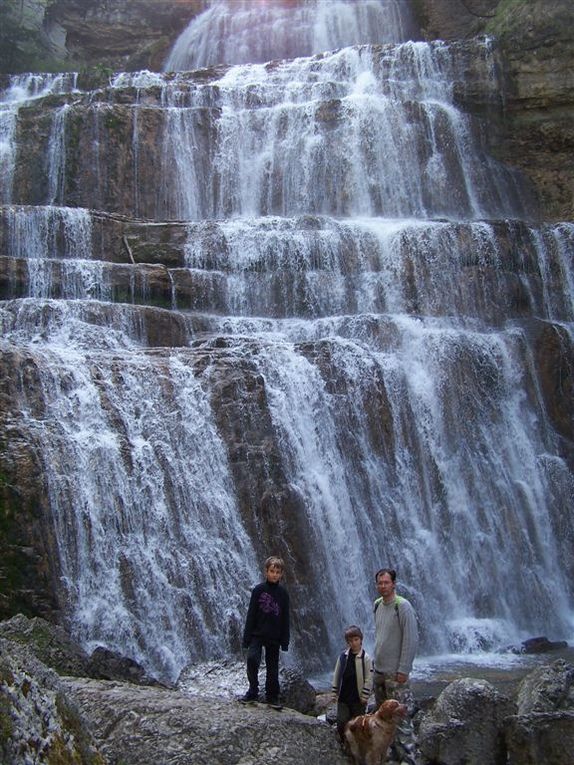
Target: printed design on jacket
column 268, row 604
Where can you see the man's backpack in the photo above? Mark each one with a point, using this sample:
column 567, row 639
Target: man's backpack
column 378, row 601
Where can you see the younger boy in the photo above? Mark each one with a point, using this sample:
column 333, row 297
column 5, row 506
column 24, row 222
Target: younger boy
column 352, row 679
column 266, row 626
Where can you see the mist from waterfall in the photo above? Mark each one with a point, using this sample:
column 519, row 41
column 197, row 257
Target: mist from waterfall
column 338, row 364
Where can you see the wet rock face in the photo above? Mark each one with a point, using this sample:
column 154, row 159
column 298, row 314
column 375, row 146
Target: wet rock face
column 127, row 35
column 453, row 19
column 556, row 372
column 537, row 49
column 169, row 289
column 28, row 554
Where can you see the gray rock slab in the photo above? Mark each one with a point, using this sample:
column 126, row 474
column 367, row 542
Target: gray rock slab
column 138, row 725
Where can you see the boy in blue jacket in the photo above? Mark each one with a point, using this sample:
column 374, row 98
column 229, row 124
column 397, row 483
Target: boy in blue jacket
column 266, row 626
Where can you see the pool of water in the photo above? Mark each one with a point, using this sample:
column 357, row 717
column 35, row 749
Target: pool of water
column 504, row 670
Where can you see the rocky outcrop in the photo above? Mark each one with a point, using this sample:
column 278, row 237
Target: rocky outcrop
column 39, row 721
column 453, row 19
column 549, row 688
column 536, row 42
column 543, row 737
column 47, row 719
column 49, row 643
column 543, row 729
column 465, row 725
column 142, row 726
column 50, row 719
column 471, row 723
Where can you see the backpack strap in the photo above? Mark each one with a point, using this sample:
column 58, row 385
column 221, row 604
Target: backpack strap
column 378, row 601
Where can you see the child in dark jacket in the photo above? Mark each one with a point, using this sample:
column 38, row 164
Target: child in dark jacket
column 266, row 626
column 352, row 679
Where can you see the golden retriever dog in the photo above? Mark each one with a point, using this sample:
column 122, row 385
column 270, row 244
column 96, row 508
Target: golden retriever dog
column 370, row 736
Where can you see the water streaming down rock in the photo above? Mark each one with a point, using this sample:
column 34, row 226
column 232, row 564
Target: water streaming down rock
column 249, row 32
column 23, row 89
column 272, row 365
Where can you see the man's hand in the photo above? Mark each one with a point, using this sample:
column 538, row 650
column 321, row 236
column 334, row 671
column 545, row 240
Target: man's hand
column 401, row 678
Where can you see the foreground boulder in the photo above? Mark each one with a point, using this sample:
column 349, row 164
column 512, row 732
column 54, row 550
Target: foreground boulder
column 549, row 688
column 465, row 727
column 138, row 725
column 541, row 737
column 543, row 729
column 46, row 719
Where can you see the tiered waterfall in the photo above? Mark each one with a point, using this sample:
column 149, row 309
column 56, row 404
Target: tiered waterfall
column 285, row 308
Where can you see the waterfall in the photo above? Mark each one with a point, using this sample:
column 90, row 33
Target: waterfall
column 287, row 308
column 361, row 131
column 23, row 89
column 248, row 31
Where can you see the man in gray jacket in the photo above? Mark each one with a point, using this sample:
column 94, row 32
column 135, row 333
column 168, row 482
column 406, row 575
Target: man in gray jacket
column 396, row 641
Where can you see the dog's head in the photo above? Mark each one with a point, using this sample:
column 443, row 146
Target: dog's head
column 391, row 710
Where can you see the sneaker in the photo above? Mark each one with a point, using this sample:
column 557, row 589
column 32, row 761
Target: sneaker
column 274, row 703
column 248, row 698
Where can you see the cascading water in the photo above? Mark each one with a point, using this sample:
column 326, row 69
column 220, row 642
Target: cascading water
column 325, row 341
column 248, row 32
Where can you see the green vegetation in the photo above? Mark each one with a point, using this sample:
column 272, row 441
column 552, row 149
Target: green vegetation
column 94, row 77
column 115, row 121
column 72, row 726
column 6, row 723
